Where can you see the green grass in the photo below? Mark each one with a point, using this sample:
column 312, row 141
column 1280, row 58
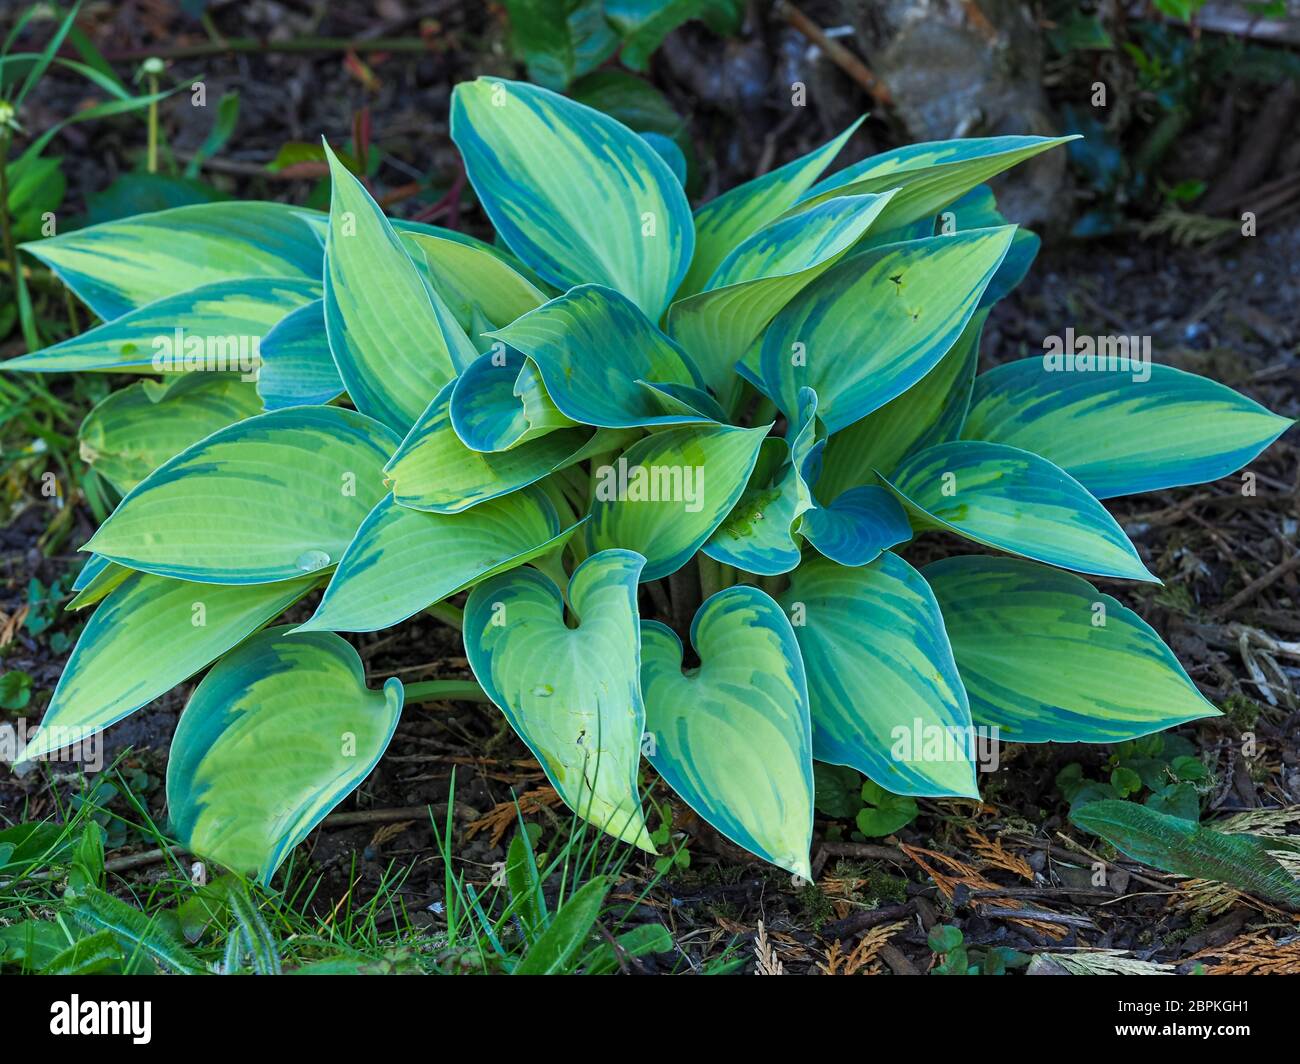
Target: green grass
column 565, row 901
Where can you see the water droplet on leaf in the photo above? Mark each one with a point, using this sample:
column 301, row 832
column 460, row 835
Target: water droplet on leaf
column 311, row 560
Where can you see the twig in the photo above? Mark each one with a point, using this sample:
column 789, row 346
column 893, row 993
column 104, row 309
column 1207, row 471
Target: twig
column 1258, row 584
column 836, row 52
column 263, row 45
column 863, row 921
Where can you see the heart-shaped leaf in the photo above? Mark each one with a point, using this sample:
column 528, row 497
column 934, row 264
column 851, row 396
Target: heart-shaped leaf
column 732, row 737
column 885, row 694
column 1047, row 657
column 300, row 701
column 572, row 693
column 267, row 498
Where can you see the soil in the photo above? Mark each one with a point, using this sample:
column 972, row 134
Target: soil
column 1227, row 313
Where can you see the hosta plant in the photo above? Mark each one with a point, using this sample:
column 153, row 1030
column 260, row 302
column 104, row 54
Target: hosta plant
column 661, row 467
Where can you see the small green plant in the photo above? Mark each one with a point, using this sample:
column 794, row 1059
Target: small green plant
column 675, row 853
column 1161, row 769
column 955, row 958
column 637, row 426
column 561, row 40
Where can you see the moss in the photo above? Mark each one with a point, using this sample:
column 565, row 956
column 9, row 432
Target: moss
column 1243, row 712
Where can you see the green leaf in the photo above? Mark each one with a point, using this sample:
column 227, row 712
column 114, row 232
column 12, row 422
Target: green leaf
column 1189, row 768
column 899, row 308
column 857, row 526
column 267, row 498
column 725, row 222
column 433, row 469
column 97, row 578
column 760, row 276
column 402, row 560
column 124, row 265
column 138, row 934
column 97, row 954
column 472, row 277
column 15, row 689
column 577, row 196
column 758, row 534
column 500, row 401
column 732, row 737
column 117, row 667
column 297, row 366
column 1138, row 428
column 885, row 813
column 88, row 859
column 1176, row 799
column 666, row 493
column 525, row 882
column 300, row 701
column 838, row 790
column 560, row 40
column 558, row 945
column 134, row 430
column 597, row 353
column 1125, row 781
column 32, row 846
column 640, row 941
column 1185, row 848
column 929, row 412
column 388, row 341
column 885, row 694
column 133, row 194
column 31, row 944
column 1046, row 657
column 215, row 327
column 930, row 175
column 944, row 938
column 222, row 128
column 1015, row 501
column 572, row 694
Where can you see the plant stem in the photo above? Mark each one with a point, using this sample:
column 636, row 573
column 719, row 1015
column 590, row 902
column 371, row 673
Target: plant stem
column 684, row 588
column 448, row 614
column 710, row 576
column 444, row 691
column 30, row 336
column 152, row 163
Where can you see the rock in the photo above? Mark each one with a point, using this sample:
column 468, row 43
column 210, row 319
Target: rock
column 964, row 69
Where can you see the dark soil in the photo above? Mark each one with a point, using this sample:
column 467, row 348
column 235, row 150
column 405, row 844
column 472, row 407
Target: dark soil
column 1227, row 313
